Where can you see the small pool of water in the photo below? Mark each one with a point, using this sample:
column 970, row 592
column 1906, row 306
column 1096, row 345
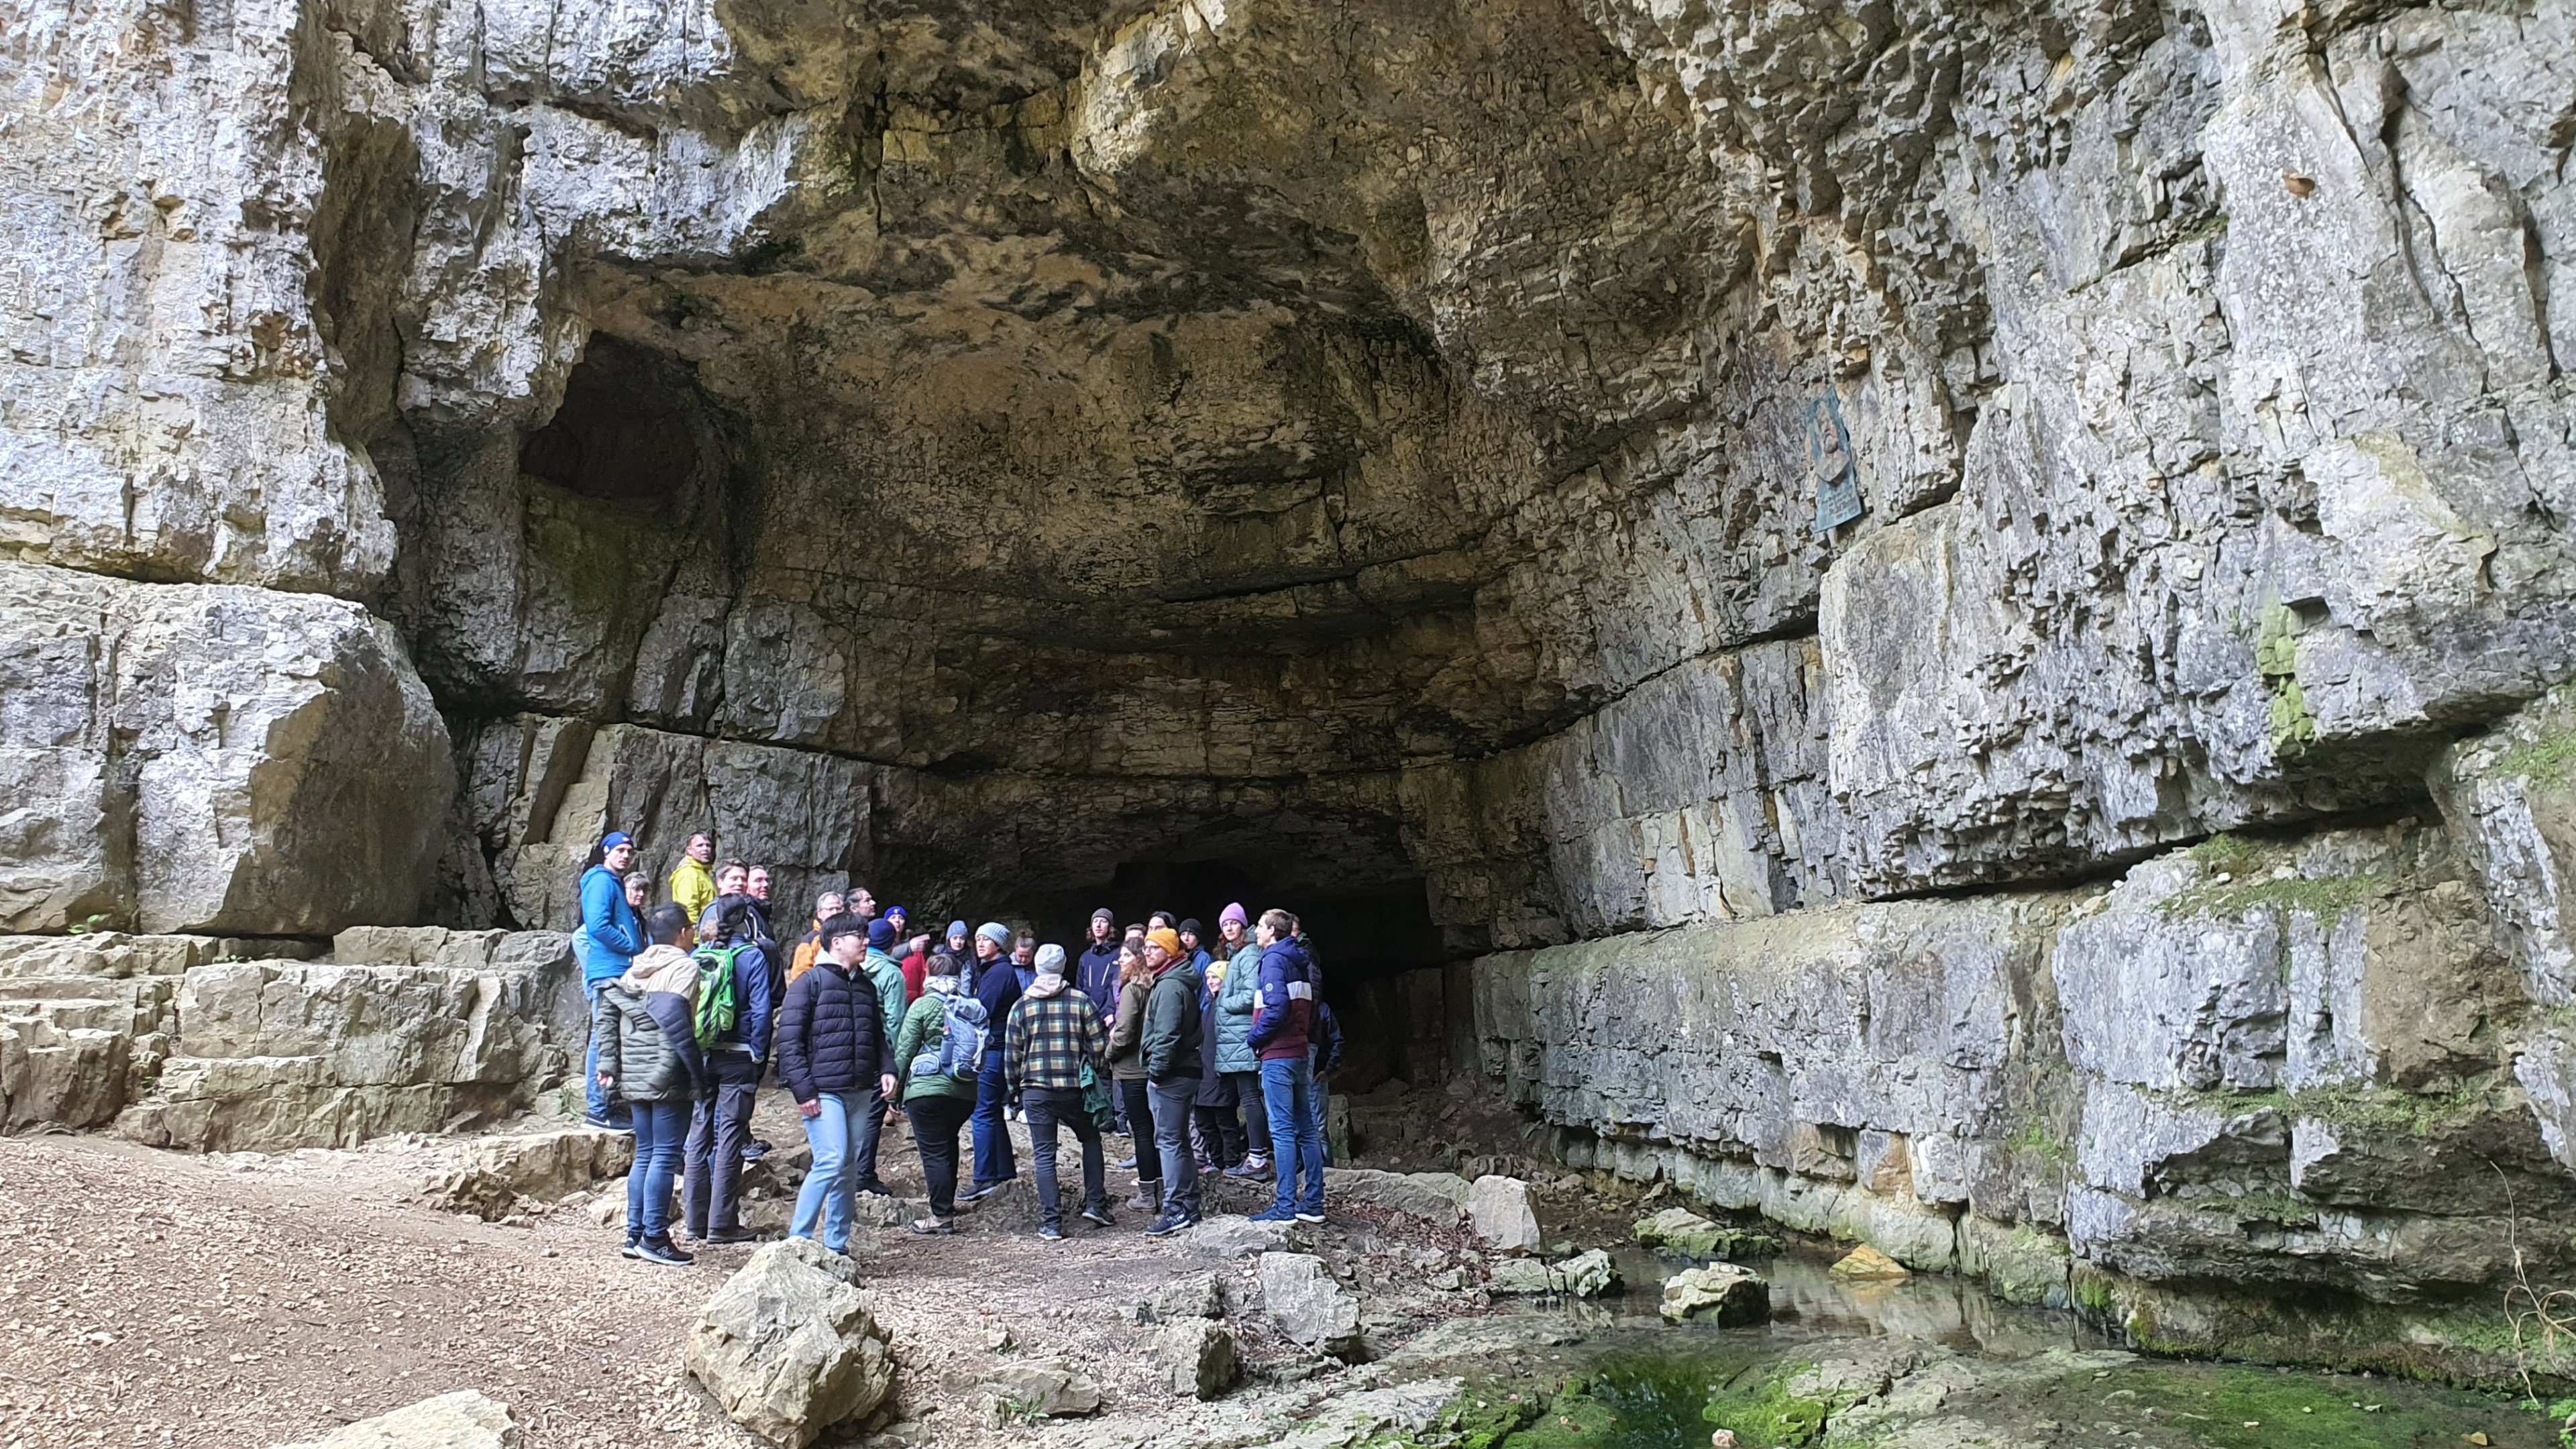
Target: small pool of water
column 2021, row 1376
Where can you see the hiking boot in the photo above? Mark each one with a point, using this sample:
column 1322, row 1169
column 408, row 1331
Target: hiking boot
column 935, row 1227
column 1148, row 1198
column 1098, row 1217
column 1169, row 1222
column 727, row 1237
column 1050, row 1233
column 661, row 1250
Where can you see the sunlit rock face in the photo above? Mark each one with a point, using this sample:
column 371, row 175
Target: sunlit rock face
column 1508, row 476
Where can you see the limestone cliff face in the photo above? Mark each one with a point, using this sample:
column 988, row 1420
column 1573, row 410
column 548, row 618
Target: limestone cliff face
column 1623, row 465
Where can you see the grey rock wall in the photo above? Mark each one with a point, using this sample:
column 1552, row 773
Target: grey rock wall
column 209, row 759
column 193, row 1042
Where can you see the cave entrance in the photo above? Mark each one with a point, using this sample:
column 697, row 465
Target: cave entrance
column 1384, row 966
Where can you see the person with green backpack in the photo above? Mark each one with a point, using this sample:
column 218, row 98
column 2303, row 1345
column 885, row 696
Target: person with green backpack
column 732, row 1021
column 936, row 1053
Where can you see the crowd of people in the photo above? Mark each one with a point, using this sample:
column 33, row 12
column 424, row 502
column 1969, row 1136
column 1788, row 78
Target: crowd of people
column 1207, row 1060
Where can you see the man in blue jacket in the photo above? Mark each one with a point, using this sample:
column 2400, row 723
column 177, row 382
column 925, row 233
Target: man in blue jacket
column 733, row 966
column 997, row 986
column 606, row 944
column 1283, row 1015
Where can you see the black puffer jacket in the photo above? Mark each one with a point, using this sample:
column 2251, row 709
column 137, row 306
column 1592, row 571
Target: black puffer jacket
column 831, row 1033
column 647, row 1044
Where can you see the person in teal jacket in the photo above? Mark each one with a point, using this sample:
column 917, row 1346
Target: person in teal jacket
column 610, row 935
column 1234, row 1054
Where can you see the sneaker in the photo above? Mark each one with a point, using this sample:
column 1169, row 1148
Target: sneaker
column 727, row 1237
column 1310, row 1218
column 607, row 1124
column 1098, row 1217
column 874, row 1186
column 1254, row 1166
column 754, row 1150
column 662, row 1252
column 1275, row 1214
column 1050, row 1233
column 1166, row 1225
column 1126, row 1164
column 634, row 1248
column 935, row 1227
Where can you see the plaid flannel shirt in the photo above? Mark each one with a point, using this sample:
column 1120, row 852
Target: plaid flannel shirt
column 1048, row 1040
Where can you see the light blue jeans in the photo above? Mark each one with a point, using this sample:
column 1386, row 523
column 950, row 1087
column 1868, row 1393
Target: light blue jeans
column 1296, row 1141
column 661, row 1128
column 827, row 1195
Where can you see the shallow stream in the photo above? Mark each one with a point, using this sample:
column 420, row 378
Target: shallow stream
column 1929, row 1362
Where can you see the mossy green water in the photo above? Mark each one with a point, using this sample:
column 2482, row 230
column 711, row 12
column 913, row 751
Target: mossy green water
column 2237, row 1406
column 1639, row 1402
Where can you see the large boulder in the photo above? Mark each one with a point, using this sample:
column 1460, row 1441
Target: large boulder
column 1309, row 1307
column 1721, row 1291
column 1500, row 1207
column 1586, row 1275
column 461, row 1420
column 499, row 1173
column 1198, row 1358
column 790, row 1346
column 209, row 758
column 1441, row 1197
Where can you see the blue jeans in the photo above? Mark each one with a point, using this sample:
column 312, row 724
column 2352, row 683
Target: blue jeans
column 1297, row 1139
column 828, row 1195
column 660, row 1130
column 595, row 1097
column 994, row 1160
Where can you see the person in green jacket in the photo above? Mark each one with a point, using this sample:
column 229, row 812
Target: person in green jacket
column 1234, row 1054
column 886, row 975
column 938, row 1103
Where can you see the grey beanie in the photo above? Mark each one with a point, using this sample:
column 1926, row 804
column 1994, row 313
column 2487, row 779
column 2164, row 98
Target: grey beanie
column 1050, row 961
column 995, row 932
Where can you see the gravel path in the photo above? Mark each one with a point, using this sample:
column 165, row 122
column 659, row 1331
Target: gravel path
column 152, row 1298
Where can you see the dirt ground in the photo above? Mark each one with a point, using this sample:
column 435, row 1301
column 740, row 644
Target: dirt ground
column 152, row 1298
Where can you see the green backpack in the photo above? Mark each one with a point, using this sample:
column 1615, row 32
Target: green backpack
column 717, row 1008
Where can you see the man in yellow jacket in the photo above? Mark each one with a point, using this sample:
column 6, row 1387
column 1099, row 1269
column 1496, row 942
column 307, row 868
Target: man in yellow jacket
column 693, row 888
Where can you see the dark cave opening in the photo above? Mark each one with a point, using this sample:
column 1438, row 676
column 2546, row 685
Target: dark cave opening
column 1381, row 954
column 626, row 432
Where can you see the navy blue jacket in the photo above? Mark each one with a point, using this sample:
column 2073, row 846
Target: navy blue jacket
column 999, row 989
column 1284, row 1010
column 1096, row 976
column 831, row 1033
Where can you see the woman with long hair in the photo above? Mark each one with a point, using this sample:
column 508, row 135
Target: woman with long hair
column 1127, row 1070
